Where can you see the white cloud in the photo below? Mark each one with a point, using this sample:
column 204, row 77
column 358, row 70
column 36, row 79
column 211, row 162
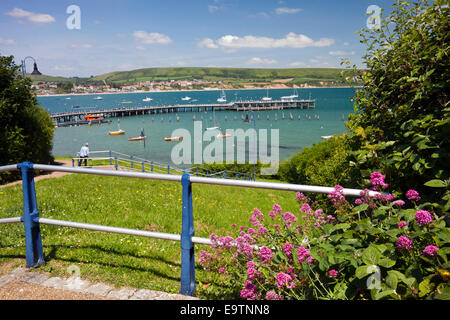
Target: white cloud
column 31, row 16
column 141, row 48
column 287, row 10
column 341, row 53
column 346, row 43
column 81, row 46
column 207, row 43
column 213, row 9
column 291, row 40
column 8, row 42
column 297, row 64
column 151, row 38
column 257, row 60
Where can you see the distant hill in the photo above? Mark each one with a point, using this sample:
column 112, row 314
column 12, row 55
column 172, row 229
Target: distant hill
column 234, row 76
column 297, row 75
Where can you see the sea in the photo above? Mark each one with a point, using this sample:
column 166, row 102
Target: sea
column 296, row 128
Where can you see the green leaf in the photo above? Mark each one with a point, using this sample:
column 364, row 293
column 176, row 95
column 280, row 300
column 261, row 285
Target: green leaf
column 435, row 183
column 425, row 287
column 383, row 294
column 392, row 281
column 386, row 262
column 371, row 255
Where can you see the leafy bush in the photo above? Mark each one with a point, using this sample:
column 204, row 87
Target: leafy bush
column 372, row 249
column 27, row 129
column 401, row 125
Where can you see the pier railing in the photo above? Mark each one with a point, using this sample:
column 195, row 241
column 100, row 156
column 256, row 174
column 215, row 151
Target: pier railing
column 31, row 219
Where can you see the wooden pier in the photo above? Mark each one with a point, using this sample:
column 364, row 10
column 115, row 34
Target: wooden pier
column 78, row 116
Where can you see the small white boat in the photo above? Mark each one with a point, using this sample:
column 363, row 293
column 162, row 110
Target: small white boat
column 212, row 128
column 266, row 98
column 326, row 137
column 98, row 98
column 186, row 98
column 222, row 97
column 68, row 98
column 147, row 99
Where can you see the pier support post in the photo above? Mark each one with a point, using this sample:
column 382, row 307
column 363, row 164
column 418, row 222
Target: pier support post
column 33, row 242
column 187, row 232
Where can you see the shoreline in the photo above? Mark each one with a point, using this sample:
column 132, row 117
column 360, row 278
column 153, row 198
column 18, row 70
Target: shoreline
column 181, row 90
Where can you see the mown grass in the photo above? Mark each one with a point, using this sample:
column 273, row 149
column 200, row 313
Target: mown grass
column 121, row 260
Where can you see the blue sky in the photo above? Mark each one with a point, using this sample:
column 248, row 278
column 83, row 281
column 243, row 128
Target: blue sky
column 126, row 35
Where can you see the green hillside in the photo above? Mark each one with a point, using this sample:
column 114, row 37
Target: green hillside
column 226, row 74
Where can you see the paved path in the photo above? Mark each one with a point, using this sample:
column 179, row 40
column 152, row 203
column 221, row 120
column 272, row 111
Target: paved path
column 24, row 284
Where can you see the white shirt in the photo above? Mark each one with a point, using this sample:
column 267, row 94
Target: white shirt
column 84, row 152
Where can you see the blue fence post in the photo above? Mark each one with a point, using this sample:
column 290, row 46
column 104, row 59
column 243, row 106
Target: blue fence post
column 197, row 171
column 152, row 165
column 224, row 174
column 115, row 162
column 168, row 169
column 33, row 242
column 131, row 160
column 243, row 178
column 110, row 158
column 187, row 232
column 207, row 172
column 73, row 162
column 143, row 166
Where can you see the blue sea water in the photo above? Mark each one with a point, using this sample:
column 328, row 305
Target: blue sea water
column 306, row 128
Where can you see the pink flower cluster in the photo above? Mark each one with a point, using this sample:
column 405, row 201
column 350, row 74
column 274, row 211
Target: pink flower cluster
column 404, row 243
column 266, row 255
column 412, row 195
column 337, row 197
column 423, row 218
column 285, row 280
column 289, row 218
column 430, row 250
column 333, row 273
column 304, row 254
column 377, row 180
column 250, row 291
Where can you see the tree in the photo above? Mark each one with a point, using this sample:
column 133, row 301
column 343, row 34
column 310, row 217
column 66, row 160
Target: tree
column 26, row 129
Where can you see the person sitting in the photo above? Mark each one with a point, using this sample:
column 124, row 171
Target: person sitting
column 84, row 154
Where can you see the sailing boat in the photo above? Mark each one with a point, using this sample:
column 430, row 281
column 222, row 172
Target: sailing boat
column 291, row 97
column 186, row 98
column 267, row 98
column 222, row 98
column 246, row 118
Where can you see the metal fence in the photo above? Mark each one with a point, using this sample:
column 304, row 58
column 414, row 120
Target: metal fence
column 32, row 221
column 124, row 161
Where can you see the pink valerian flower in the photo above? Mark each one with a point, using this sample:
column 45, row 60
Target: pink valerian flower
column 272, row 215
column 305, row 208
column 222, row 270
column 300, row 197
column 404, row 243
column 399, row 203
column 402, row 224
column 358, row 201
column 423, row 217
column 205, row 257
column 262, row 231
column 266, row 255
column 332, row 273
column 377, row 180
column 284, row 279
column 287, row 249
column 310, row 259
column 226, row 242
column 289, row 218
column 249, row 291
column 276, row 208
column 270, row 295
column 337, row 197
column 302, row 254
column 430, row 250
column 412, row 195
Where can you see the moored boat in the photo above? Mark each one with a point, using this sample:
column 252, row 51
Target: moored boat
column 116, row 133
column 179, row 138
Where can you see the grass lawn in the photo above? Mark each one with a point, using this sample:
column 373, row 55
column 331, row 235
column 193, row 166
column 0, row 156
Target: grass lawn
column 122, row 260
